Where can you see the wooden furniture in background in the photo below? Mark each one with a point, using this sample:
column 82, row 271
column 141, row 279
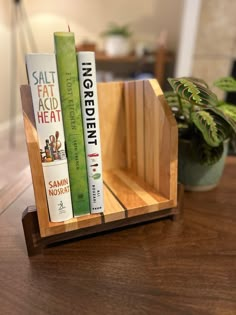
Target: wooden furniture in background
column 155, row 62
column 139, row 154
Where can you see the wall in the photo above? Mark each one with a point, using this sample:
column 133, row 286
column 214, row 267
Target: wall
column 4, row 60
column 215, row 48
column 87, row 18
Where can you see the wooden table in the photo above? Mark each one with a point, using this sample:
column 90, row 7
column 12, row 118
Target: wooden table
column 163, row 267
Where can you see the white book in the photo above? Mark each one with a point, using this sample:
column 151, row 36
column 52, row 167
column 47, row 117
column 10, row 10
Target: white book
column 43, row 81
column 89, row 105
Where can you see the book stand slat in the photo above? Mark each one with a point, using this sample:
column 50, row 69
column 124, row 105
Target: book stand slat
column 139, row 142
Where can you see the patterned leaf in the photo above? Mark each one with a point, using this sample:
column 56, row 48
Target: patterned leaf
column 183, row 126
column 228, row 109
column 191, row 89
column 226, row 117
column 206, row 154
column 172, row 99
column 227, row 84
column 194, row 91
column 179, row 108
column 197, row 80
column 214, row 129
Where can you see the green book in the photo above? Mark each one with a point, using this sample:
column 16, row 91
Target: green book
column 72, row 118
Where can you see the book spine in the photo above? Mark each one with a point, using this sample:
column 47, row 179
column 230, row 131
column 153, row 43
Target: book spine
column 43, row 80
column 72, row 117
column 90, row 113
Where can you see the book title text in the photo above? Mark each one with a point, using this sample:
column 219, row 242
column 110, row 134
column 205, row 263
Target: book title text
column 49, row 110
column 89, row 102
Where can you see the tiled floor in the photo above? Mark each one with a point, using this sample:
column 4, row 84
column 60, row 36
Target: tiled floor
column 13, row 159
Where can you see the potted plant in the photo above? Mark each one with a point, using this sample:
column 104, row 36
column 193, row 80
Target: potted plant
column 205, row 126
column 117, row 40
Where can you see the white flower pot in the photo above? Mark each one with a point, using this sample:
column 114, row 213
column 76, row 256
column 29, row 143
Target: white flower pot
column 117, row 45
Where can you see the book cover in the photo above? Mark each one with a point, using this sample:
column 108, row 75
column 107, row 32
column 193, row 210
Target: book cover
column 90, row 114
column 43, row 81
column 72, row 117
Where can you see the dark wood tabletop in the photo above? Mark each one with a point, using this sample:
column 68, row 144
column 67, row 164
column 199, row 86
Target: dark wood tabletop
column 163, row 267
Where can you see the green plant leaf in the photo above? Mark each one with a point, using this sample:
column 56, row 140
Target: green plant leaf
column 180, row 107
column 228, row 109
column 193, row 90
column 115, row 29
column 182, row 126
column 213, row 128
column 172, row 99
column 197, row 80
column 227, row 84
column 226, row 117
column 220, row 102
column 206, row 154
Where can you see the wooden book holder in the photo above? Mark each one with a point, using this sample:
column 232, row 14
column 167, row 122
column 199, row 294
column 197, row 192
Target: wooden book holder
column 139, row 140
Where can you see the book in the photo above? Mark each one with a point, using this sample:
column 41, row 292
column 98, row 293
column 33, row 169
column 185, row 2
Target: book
column 90, row 114
column 72, row 118
column 43, row 81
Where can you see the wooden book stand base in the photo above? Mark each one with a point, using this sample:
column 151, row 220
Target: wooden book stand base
column 36, row 244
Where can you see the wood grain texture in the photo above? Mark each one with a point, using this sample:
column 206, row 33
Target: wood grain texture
column 148, row 134
column 13, row 159
column 10, row 192
column 72, row 224
column 139, row 96
column 113, row 209
column 112, row 124
column 136, row 196
column 166, row 136
column 130, row 119
column 157, row 134
column 162, row 267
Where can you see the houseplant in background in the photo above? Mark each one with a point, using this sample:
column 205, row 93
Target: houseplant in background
column 205, row 127
column 117, row 40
